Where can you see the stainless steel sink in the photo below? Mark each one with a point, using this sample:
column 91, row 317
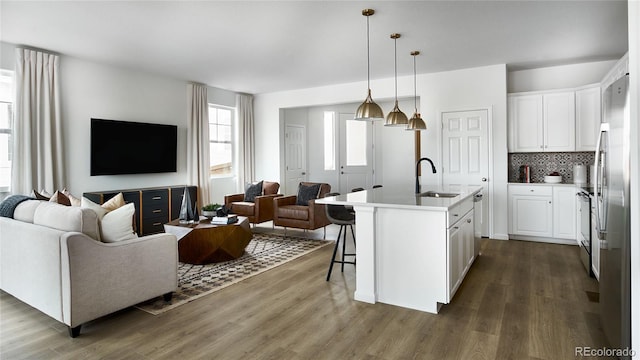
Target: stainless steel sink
column 438, row 194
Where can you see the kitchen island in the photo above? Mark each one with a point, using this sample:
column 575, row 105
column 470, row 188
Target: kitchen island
column 412, row 251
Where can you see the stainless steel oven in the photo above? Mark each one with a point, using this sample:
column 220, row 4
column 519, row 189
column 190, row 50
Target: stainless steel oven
column 584, row 236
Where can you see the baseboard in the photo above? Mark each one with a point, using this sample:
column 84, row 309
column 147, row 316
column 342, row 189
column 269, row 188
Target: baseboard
column 543, row 239
column 500, row 237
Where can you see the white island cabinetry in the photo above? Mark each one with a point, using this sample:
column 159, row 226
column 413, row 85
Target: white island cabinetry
column 409, row 252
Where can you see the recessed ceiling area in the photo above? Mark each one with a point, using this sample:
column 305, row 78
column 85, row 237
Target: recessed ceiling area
column 266, row 46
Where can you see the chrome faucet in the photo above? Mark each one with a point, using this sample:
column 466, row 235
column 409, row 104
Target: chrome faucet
column 433, row 169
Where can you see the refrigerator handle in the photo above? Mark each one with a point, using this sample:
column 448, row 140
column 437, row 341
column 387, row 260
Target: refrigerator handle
column 604, row 127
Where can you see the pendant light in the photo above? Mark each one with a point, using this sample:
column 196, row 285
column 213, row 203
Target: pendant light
column 416, row 122
column 396, row 117
column 369, row 110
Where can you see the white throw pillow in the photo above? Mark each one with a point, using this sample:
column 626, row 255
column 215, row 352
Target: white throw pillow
column 117, row 225
column 99, row 210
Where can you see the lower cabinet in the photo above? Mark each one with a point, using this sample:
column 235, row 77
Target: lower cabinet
column 461, row 250
column 545, row 211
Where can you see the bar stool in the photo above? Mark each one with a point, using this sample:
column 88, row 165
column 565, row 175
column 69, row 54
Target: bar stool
column 343, row 216
column 357, row 189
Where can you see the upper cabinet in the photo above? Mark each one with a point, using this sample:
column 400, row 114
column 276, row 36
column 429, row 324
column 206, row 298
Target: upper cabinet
column 554, row 121
column 542, row 122
column 587, row 118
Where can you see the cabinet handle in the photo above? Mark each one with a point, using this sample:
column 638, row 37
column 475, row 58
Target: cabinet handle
column 541, row 147
column 455, row 227
column 157, row 211
column 157, row 198
column 157, row 224
column 531, row 190
column 455, row 215
column 469, row 221
column 549, row 202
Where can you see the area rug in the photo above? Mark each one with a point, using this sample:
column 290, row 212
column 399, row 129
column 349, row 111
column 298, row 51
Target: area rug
column 264, row 252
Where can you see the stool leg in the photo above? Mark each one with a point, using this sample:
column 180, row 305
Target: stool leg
column 344, row 245
column 335, row 250
column 353, row 235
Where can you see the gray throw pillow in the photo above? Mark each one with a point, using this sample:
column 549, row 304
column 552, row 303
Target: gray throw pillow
column 306, row 193
column 251, row 191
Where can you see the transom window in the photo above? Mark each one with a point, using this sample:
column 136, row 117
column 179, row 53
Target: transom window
column 220, row 140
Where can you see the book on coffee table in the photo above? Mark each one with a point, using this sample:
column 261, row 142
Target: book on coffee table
column 224, row 220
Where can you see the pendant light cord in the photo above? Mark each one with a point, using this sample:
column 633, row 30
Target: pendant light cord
column 395, row 64
column 368, row 60
column 415, row 87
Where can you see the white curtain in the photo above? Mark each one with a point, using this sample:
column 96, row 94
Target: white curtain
column 198, row 141
column 37, row 149
column 244, row 106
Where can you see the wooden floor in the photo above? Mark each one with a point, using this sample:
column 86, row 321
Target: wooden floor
column 520, row 300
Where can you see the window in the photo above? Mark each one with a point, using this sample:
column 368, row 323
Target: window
column 329, row 141
column 356, row 147
column 220, row 140
column 6, row 116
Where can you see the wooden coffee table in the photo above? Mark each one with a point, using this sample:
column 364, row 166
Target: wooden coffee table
column 204, row 243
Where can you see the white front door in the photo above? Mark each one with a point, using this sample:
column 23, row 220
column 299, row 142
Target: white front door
column 295, row 142
column 356, row 153
column 465, row 155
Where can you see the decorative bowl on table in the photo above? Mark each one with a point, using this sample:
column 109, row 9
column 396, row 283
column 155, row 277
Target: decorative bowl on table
column 208, row 214
column 209, row 211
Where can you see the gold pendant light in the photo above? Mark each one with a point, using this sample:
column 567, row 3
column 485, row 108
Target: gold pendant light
column 415, row 123
column 396, row 117
column 369, row 110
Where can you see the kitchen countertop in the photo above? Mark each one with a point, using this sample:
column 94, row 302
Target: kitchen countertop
column 401, row 198
column 543, row 183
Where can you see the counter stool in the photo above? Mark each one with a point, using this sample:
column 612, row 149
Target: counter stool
column 343, row 216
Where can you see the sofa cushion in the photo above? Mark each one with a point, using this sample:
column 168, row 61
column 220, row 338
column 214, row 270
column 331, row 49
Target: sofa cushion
column 26, row 210
column 117, row 226
column 243, row 208
column 67, row 218
column 306, row 193
column 251, row 191
column 297, row 212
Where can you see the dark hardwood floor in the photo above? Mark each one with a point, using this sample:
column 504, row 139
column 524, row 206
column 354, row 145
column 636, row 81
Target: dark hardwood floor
column 520, row 300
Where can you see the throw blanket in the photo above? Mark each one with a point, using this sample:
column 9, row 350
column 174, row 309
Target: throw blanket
column 8, row 206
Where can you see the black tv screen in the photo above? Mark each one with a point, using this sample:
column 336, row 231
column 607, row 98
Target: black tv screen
column 125, row 147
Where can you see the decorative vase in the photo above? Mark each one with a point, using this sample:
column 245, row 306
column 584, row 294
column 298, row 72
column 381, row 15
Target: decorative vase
column 187, row 213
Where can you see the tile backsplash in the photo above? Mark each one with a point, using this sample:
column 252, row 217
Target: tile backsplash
column 542, row 164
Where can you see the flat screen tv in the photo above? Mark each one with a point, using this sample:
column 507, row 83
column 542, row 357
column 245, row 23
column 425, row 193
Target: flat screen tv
column 125, row 147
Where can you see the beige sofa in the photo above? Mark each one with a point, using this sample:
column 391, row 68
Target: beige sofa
column 49, row 259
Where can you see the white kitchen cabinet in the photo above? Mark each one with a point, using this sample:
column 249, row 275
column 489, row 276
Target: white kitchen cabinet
column 531, row 210
column 525, row 123
column 461, row 249
column 542, row 122
column 564, row 212
column 588, row 117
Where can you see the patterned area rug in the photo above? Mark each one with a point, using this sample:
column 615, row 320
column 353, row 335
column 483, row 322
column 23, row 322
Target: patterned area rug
column 264, row 252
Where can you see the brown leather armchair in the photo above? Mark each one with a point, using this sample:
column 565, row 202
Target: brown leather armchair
column 261, row 209
column 312, row 216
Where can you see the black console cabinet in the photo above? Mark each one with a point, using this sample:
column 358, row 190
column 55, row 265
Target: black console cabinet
column 154, row 206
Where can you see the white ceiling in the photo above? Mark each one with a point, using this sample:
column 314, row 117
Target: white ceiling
column 265, row 46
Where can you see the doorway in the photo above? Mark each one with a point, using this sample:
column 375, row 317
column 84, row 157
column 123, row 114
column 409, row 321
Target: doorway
column 295, row 147
column 465, row 155
column 356, row 153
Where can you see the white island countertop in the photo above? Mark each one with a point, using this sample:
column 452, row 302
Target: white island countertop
column 401, row 198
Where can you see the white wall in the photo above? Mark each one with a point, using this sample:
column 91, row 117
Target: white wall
column 90, row 89
column 558, row 77
column 484, row 87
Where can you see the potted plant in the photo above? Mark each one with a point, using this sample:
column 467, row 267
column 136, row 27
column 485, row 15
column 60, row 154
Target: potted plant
column 210, row 210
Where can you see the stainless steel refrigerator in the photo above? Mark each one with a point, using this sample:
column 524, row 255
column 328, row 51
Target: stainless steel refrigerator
column 613, row 214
